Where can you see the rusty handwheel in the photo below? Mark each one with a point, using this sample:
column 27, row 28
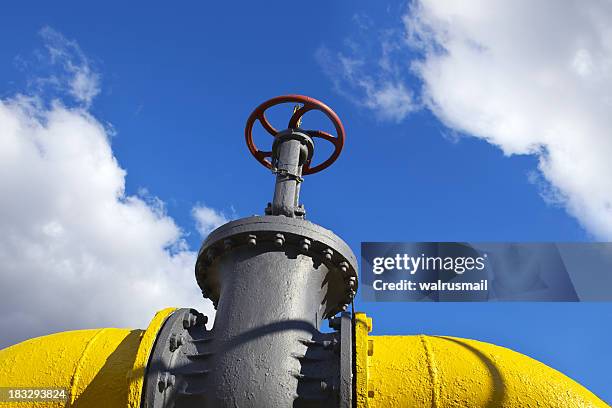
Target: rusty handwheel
column 308, row 104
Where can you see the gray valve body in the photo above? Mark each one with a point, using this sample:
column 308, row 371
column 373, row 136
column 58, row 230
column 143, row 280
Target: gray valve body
column 273, row 280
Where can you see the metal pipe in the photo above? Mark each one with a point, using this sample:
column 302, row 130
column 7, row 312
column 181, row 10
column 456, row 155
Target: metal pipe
column 99, row 368
column 444, row 372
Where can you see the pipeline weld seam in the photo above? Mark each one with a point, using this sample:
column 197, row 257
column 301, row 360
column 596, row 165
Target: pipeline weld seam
column 433, row 371
column 74, row 382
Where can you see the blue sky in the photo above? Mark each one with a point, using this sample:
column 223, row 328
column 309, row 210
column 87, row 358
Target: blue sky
column 177, row 84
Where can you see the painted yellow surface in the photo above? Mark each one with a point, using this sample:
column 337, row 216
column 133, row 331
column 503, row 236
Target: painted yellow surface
column 105, row 368
column 99, row 368
column 441, row 372
column 135, row 376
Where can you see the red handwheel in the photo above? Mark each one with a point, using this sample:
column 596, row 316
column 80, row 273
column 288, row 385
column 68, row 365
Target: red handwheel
column 308, row 104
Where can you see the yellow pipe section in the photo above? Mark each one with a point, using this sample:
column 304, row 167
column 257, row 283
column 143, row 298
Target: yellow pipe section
column 98, row 368
column 441, row 372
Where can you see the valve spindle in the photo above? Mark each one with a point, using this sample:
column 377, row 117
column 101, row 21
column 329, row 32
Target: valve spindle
column 292, row 151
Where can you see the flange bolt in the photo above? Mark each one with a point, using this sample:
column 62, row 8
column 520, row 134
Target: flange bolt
column 176, row 341
column 344, row 267
column 305, row 243
column 328, row 253
column 190, row 320
column 279, row 240
column 165, row 380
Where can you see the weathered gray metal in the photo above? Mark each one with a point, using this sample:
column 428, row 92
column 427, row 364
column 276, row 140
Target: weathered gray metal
column 290, row 151
column 183, row 369
column 178, row 366
column 265, row 238
column 273, row 280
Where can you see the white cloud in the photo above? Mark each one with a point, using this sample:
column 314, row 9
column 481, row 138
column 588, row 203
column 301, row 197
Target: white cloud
column 531, row 78
column 390, row 99
column 528, row 77
column 207, row 219
column 75, row 250
column 380, row 89
column 76, row 73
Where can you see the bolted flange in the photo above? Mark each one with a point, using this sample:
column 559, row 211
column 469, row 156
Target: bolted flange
column 178, row 364
column 281, row 233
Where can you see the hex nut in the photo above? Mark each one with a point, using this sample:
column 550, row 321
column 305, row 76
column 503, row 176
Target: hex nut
column 176, row 340
column 252, row 240
column 190, row 320
column 279, row 240
column 165, row 380
column 328, row 253
column 305, row 244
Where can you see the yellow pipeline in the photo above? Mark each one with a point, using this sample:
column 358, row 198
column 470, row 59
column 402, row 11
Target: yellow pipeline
column 441, row 372
column 99, row 368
